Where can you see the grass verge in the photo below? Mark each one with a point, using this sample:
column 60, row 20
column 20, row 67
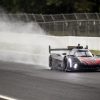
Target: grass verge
column 95, row 52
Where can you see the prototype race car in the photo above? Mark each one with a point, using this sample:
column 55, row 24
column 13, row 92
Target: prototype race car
column 73, row 58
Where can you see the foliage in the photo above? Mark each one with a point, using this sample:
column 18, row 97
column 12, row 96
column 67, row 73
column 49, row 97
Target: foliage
column 50, row 6
column 83, row 6
column 95, row 52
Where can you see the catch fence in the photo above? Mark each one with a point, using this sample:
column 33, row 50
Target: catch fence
column 76, row 24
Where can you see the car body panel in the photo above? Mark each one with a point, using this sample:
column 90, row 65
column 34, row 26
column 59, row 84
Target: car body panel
column 77, row 59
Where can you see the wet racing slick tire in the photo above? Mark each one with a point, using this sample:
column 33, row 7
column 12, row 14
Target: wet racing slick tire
column 64, row 63
column 50, row 62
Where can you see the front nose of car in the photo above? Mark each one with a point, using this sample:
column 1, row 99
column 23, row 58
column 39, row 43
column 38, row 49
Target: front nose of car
column 87, row 60
column 98, row 61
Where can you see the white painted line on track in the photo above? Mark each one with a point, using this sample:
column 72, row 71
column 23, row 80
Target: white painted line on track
column 6, row 98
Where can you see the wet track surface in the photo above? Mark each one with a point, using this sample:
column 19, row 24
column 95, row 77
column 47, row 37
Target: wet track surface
column 31, row 82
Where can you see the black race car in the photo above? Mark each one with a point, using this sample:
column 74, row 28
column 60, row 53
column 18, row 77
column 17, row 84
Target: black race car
column 73, row 58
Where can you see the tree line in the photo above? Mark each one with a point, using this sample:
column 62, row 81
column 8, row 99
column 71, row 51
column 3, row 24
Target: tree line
column 50, row 6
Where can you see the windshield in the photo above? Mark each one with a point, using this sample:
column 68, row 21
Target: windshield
column 83, row 53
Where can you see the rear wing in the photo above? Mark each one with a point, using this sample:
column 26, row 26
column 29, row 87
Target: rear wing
column 69, row 48
column 57, row 49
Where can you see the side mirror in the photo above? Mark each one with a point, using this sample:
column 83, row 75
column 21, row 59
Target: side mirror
column 73, row 55
column 58, row 55
column 64, row 53
column 93, row 55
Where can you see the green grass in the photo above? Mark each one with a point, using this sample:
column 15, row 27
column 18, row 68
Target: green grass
column 95, row 52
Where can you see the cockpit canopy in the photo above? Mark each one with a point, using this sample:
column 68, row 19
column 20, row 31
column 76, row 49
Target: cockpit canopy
column 81, row 53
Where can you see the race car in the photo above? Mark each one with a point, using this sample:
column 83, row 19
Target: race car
column 73, row 58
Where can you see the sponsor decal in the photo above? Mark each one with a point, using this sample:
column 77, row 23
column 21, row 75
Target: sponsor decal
column 98, row 61
column 88, row 61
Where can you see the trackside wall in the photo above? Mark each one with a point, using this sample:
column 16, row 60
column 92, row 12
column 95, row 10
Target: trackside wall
column 92, row 42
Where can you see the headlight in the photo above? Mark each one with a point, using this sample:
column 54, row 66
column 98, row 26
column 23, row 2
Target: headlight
column 75, row 66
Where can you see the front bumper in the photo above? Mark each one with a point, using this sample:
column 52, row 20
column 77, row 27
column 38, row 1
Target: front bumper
column 88, row 67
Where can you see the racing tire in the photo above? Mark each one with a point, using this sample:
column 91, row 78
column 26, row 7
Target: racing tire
column 50, row 62
column 64, row 63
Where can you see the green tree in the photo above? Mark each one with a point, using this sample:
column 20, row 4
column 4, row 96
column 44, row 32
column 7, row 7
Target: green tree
column 60, row 6
column 10, row 5
column 50, row 6
column 83, row 6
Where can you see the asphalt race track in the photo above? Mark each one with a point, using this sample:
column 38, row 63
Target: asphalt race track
column 32, row 82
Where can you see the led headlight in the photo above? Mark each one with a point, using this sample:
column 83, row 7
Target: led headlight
column 75, row 66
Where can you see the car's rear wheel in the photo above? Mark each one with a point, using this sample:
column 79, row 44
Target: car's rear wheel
column 50, row 62
column 64, row 63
